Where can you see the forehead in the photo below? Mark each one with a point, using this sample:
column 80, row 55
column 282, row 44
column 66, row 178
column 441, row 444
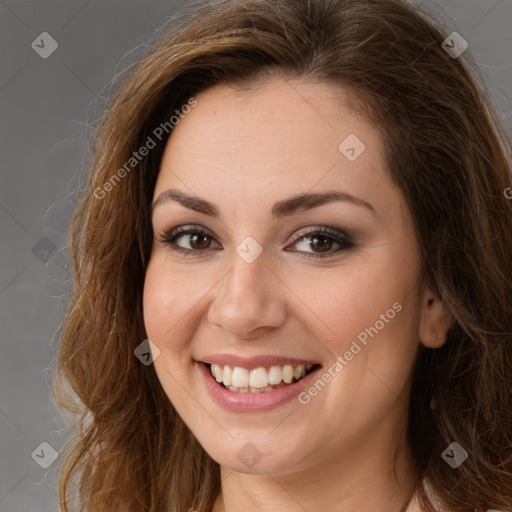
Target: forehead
column 276, row 139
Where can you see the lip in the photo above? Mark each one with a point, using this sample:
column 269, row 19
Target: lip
column 251, row 402
column 253, row 362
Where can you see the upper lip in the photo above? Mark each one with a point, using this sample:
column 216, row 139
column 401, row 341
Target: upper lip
column 254, row 361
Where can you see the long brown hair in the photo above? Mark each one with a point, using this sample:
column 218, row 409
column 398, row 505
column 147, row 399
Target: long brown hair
column 446, row 152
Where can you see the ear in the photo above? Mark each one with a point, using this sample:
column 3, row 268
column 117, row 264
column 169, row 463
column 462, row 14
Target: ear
column 435, row 320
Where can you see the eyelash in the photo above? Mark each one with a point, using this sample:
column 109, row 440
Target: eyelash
column 170, row 235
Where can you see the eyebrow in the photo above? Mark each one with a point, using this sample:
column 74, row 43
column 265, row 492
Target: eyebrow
column 301, row 202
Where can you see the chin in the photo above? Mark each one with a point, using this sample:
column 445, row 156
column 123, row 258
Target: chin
column 257, row 454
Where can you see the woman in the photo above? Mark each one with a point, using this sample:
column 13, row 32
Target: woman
column 293, row 265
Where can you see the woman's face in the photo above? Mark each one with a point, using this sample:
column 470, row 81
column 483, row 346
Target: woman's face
column 259, row 289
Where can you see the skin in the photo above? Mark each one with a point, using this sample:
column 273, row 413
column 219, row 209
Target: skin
column 244, row 151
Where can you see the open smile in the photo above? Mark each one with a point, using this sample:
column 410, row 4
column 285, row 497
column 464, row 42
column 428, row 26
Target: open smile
column 255, row 388
column 258, row 380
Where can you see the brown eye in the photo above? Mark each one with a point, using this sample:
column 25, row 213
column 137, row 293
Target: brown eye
column 322, row 239
column 198, row 240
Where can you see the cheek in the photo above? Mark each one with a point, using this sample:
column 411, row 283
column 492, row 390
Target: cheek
column 163, row 307
column 167, row 304
column 352, row 298
column 368, row 318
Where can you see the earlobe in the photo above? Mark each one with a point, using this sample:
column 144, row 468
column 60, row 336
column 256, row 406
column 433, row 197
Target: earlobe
column 435, row 321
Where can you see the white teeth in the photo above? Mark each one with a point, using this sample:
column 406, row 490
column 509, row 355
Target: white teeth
column 299, row 371
column 259, row 379
column 274, row 375
column 218, row 373
column 287, row 373
column 240, row 377
column 227, row 376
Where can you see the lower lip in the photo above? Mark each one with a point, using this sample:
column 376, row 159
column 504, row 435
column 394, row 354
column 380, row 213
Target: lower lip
column 251, row 402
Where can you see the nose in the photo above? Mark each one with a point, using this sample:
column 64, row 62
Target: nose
column 250, row 300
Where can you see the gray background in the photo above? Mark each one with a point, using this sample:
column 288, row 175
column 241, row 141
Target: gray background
column 46, row 106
